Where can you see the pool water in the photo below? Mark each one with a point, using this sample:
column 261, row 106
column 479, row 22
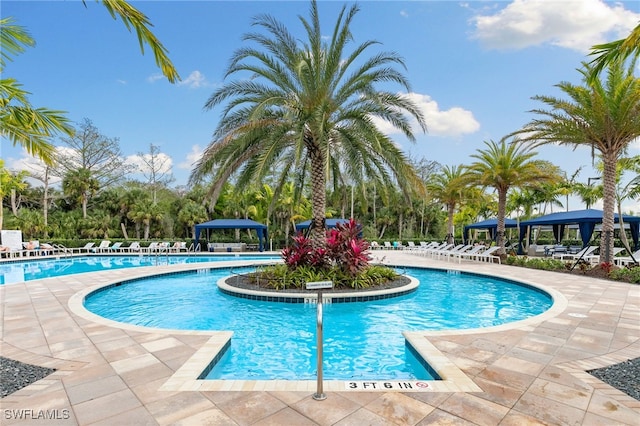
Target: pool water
column 14, row 272
column 362, row 340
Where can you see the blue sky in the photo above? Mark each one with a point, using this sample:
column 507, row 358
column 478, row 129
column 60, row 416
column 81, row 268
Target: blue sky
column 473, row 66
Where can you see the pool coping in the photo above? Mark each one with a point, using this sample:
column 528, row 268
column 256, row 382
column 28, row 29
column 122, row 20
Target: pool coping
column 186, row 377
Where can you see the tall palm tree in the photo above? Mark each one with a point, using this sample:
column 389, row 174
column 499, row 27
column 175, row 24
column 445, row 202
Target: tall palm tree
column 602, row 115
column 505, row 165
column 310, row 108
column 449, row 188
column 81, row 186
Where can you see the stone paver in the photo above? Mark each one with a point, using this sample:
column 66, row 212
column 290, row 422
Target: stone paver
column 529, row 373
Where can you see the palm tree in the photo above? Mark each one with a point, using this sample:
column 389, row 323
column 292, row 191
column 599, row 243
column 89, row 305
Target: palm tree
column 615, row 51
column 602, row 115
column 310, row 108
column 449, row 188
column 82, row 186
column 504, row 165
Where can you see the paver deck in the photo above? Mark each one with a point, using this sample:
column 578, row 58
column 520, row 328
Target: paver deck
column 530, row 373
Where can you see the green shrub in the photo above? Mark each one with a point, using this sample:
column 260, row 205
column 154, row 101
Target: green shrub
column 629, row 274
column 545, row 263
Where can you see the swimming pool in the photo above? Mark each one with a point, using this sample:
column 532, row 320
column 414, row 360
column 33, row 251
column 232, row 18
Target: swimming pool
column 363, row 340
column 20, row 271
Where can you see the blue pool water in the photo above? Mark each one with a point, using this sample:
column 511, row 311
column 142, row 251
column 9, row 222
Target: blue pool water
column 362, row 340
column 13, row 272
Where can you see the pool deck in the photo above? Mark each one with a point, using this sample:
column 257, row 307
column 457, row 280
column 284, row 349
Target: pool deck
column 530, row 373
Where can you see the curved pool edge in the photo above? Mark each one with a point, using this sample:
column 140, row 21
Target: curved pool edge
column 187, row 377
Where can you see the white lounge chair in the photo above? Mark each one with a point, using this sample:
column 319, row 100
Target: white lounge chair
column 153, row 246
column 134, row 247
column 436, row 253
column 488, row 256
column 594, row 259
column 469, row 253
column 104, row 246
column 86, row 248
column 627, row 260
column 452, row 251
column 429, row 251
column 115, row 247
column 485, row 255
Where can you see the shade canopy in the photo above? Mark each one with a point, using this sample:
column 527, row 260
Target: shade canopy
column 260, row 228
column 489, row 224
column 329, row 223
column 585, row 219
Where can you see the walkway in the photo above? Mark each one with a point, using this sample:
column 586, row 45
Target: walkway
column 533, row 373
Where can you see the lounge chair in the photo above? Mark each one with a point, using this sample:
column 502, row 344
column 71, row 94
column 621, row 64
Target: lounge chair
column 115, row 247
column 468, row 253
column 594, row 259
column 86, row 248
column 153, row 246
column 436, row 252
column 627, row 260
column 30, row 248
column 487, row 255
column 451, row 251
column 388, row 246
column 586, row 251
column 483, row 256
column 410, row 246
column 134, row 247
column 104, row 246
column 374, row 245
column 178, row 246
column 429, row 251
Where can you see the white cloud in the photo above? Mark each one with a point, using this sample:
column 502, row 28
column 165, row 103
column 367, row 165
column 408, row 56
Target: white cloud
column 404, row 13
column 192, row 157
column 455, row 121
column 576, row 25
column 155, row 77
column 195, row 80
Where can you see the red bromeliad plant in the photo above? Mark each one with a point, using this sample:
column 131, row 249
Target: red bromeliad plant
column 344, row 249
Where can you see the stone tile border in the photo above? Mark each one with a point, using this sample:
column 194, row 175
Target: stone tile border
column 186, row 378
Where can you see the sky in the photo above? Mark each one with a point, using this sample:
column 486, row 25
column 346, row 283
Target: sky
column 473, row 66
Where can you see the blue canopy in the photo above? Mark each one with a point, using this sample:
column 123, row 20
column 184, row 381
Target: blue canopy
column 491, row 225
column 329, row 223
column 260, row 228
column 585, row 219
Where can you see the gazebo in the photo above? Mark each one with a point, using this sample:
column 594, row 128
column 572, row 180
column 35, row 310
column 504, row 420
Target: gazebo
column 329, row 223
column 586, row 221
column 490, row 225
column 261, row 229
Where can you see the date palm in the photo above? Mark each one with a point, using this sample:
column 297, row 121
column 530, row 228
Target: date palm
column 504, row 165
column 603, row 115
column 449, row 188
column 310, row 110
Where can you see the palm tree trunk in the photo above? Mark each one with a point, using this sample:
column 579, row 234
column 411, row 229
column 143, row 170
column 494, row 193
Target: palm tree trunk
column 317, row 233
column 450, row 211
column 502, row 209
column 609, row 161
